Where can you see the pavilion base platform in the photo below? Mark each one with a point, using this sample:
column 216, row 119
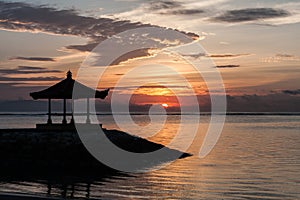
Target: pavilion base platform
column 62, row 127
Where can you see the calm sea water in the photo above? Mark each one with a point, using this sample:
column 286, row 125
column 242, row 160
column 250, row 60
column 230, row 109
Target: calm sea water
column 257, row 157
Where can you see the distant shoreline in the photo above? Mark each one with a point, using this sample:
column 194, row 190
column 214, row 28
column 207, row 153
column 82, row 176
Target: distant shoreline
column 175, row 113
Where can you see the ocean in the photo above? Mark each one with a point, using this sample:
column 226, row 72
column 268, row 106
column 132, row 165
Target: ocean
column 256, row 157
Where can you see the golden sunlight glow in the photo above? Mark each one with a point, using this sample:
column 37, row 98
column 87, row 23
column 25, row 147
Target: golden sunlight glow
column 165, row 105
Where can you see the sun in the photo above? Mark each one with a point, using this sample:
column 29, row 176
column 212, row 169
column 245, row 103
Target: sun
column 165, row 105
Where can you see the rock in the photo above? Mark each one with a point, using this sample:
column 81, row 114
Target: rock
column 54, row 152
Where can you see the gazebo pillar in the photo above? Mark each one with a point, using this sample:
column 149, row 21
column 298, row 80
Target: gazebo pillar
column 64, row 121
column 49, row 112
column 88, row 121
column 72, row 108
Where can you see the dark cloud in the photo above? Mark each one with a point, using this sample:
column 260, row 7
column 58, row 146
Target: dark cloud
column 9, row 79
column 159, row 5
column 162, row 87
column 291, row 92
column 250, row 14
column 13, row 91
column 172, row 8
column 39, row 59
column 23, row 16
column 85, row 47
column 263, row 103
column 194, row 55
column 227, row 66
column 190, row 34
column 25, row 70
column 131, row 55
column 182, row 12
column 285, row 55
column 243, row 103
column 29, row 17
column 280, row 57
column 149, row 87
column 28, row 70
column 31, row 68
column 227, row 55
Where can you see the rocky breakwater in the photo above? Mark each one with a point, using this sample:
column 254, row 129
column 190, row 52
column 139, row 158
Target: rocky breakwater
column 42, row 151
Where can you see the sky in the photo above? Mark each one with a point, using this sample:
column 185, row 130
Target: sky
column 253, row 44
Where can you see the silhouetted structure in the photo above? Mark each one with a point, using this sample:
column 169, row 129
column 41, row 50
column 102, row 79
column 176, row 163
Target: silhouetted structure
column 64, row 90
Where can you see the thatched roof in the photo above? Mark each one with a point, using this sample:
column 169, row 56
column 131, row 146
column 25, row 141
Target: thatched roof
column 64, row 90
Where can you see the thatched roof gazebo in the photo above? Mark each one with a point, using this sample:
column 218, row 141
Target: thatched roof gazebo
column 64, row 90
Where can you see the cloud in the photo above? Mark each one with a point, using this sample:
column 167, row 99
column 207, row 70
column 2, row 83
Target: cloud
column 32, row 18
column 39, row 59
column 224, row 43
column 250, row 14
column 279, row 102
column 191, row 13
column 229, row 55
column 172, row 8
column 162, row 87
column 119, row 74
column 227, row 66
column 7, row 75
column 279, row 58
column 25, row 68
column 150, row 90
column 85, row 48
column 131, row 55
column 201, row 54
column 285, row 55
column 13, row 91
column 291, row 92
column 194, row 55
column 165, row 4
column 28, row 70
column 150, row 87
column 9, row 79
column 23, row 16
column 183, row 12
column 168, row 13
